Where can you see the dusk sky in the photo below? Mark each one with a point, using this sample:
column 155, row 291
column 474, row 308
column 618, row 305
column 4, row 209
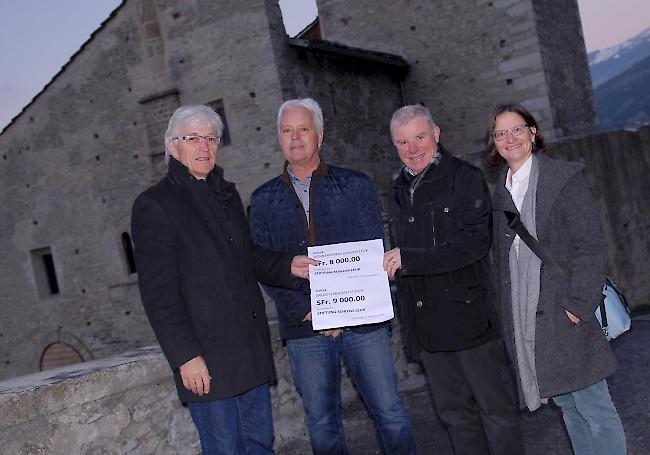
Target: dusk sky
column 37, row 37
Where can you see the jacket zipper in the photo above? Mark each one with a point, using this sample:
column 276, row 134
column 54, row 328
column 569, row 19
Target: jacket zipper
column 433, row 226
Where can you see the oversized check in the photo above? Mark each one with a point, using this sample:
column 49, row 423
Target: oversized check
column 350, row 286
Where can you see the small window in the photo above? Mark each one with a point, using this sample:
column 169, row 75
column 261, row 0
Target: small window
column 58, row 355
column 44, row 272
column 127, row 248
column 217, row 105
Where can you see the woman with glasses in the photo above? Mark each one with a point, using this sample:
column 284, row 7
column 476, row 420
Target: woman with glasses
column 557, row 348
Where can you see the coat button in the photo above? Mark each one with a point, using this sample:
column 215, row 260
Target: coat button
column 418, row 304
column 411, row 219
column 541, row 268
column 446, row 210
column 254, row 315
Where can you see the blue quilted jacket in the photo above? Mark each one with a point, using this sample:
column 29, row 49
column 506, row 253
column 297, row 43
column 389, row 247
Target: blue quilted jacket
column 343, row 208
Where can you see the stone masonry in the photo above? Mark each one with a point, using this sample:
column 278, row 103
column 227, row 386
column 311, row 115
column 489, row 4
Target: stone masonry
column 73, row 161
column 466, row 56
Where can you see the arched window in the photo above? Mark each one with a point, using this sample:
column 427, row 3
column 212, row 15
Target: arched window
column 59, row 354
column 127, row 247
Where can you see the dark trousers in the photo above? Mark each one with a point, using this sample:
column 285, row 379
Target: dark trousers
column 472, row 401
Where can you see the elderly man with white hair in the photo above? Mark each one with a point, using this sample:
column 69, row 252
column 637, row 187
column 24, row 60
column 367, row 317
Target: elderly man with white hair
column 315, row 203
column 440, row 222
column 198, row 271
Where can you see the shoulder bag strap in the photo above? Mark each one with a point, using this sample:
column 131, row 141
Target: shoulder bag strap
column 514, row 221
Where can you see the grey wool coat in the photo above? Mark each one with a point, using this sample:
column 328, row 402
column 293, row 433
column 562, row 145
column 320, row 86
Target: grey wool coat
column 568, row 357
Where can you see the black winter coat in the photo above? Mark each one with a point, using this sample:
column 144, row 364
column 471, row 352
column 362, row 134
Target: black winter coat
column 197, row 272
column 443, row 233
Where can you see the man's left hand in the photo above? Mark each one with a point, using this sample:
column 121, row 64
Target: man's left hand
column 300, row 266
column 392, row 262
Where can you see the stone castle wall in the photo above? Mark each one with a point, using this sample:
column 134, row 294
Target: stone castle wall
column 466, row 56
column 74, row 160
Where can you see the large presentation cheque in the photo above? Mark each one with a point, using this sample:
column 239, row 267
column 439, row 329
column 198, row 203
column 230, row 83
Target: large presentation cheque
column 349, row 286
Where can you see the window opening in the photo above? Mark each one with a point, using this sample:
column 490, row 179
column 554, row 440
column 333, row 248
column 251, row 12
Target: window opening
column 47, row 283
column 217, row 105
column 127, row 247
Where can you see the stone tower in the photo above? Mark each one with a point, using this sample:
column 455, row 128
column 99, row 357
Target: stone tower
column 467, row 55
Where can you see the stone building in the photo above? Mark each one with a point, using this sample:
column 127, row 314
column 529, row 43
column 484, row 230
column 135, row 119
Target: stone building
column 74, row 159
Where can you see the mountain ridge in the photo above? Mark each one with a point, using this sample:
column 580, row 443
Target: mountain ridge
column 608, row 63
column 624, row 101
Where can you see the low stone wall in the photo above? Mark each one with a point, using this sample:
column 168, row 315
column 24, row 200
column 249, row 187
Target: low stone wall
column 119, row 405
column 128, row 405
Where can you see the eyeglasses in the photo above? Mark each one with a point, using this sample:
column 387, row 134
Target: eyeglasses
column 196, row 140
column 403, row 143
column 300, row 131
column 515, row 131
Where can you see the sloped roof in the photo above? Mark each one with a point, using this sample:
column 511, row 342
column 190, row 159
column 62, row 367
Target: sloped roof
column 306, row 32
column 72, row 58
column 329, row 47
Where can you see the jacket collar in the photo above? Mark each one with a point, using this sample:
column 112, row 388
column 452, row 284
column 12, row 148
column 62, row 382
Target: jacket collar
column 321, row 170
column 501, row 199
column 432, row 173
column 178, row 173
column 553, row 177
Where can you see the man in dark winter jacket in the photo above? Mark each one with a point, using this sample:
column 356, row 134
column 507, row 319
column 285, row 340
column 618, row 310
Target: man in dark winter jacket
column 440, row 222
column 198, row 271
column 313, row 203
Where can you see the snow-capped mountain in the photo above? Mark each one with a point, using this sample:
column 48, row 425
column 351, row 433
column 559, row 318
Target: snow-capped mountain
column 624, row 101
column 608, row 63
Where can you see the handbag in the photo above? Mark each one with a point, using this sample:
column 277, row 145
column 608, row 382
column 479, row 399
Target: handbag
column 612, row 313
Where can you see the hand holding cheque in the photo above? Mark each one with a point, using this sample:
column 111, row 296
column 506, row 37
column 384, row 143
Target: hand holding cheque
column 349, row 287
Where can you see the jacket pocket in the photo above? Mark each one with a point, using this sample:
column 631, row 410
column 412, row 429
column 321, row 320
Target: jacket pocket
column 471, row 318
column 442, row 223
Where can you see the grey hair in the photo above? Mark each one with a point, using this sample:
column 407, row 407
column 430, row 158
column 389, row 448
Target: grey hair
column 408, row 113
column 191, row 115
column 309, row 104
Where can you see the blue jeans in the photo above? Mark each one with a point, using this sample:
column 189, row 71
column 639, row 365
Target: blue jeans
column 592, row 421
column 316, row 367
column 237, row 425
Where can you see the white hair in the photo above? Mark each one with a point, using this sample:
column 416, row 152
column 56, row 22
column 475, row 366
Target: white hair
column 408, row 113
column 309, row 104
column 191, row 115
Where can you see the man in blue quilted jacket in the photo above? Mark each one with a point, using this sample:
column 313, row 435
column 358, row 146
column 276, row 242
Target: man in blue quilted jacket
column 313, row 203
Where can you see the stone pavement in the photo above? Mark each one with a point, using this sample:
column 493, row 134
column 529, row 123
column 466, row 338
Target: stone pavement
column 543, row 430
